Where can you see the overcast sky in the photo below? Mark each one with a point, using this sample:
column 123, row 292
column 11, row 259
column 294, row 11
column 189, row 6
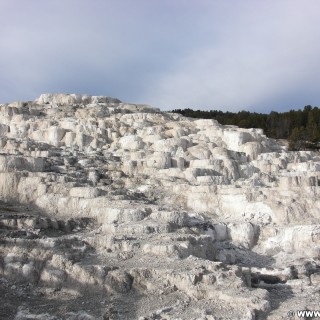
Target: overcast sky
column 207, row 54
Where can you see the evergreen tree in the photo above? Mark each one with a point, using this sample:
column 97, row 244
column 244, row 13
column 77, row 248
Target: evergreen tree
column 300, row 127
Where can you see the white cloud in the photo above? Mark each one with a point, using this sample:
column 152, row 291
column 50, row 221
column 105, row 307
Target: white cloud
column 170, row 54
column 256, row 60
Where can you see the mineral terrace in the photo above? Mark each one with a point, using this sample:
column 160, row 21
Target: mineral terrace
column 111, row 210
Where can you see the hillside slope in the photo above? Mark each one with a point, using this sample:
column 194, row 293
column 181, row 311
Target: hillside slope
column 112, row 210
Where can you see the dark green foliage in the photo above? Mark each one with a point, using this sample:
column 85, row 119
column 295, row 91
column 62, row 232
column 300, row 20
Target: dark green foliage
column 300, row 127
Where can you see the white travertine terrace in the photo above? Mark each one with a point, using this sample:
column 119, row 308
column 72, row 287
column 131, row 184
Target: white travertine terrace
column 175, row 218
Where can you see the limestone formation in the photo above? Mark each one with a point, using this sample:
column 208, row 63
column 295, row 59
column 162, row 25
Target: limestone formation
column 110, row 210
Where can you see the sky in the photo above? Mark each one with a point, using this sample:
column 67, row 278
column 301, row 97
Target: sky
column 229, row 55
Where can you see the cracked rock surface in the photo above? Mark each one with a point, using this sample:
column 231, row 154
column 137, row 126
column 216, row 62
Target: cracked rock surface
column 110, row 210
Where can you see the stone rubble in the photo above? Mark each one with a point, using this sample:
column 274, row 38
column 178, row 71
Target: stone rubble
column 111, row 210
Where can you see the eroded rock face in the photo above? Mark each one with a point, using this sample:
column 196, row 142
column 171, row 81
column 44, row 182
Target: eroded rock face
column 119, row 211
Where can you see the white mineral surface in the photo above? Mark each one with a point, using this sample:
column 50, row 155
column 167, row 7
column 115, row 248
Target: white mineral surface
column 111, row 210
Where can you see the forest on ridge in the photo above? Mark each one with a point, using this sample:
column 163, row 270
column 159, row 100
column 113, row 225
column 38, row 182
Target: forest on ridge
column 300, row 127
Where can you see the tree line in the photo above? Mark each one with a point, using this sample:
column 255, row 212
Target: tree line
column 300, row 127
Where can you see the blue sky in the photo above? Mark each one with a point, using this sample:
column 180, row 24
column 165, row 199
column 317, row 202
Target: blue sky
column 218, row 54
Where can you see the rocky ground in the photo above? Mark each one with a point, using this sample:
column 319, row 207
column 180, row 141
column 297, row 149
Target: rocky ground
column 111, row 210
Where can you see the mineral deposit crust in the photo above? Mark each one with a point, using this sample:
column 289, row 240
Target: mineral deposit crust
column 112, row 210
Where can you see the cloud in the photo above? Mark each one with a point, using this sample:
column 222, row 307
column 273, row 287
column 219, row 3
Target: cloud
column 222, row 54
column 259, row 61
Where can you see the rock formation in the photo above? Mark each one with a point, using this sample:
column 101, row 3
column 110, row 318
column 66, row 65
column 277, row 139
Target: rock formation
column 111, row 210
